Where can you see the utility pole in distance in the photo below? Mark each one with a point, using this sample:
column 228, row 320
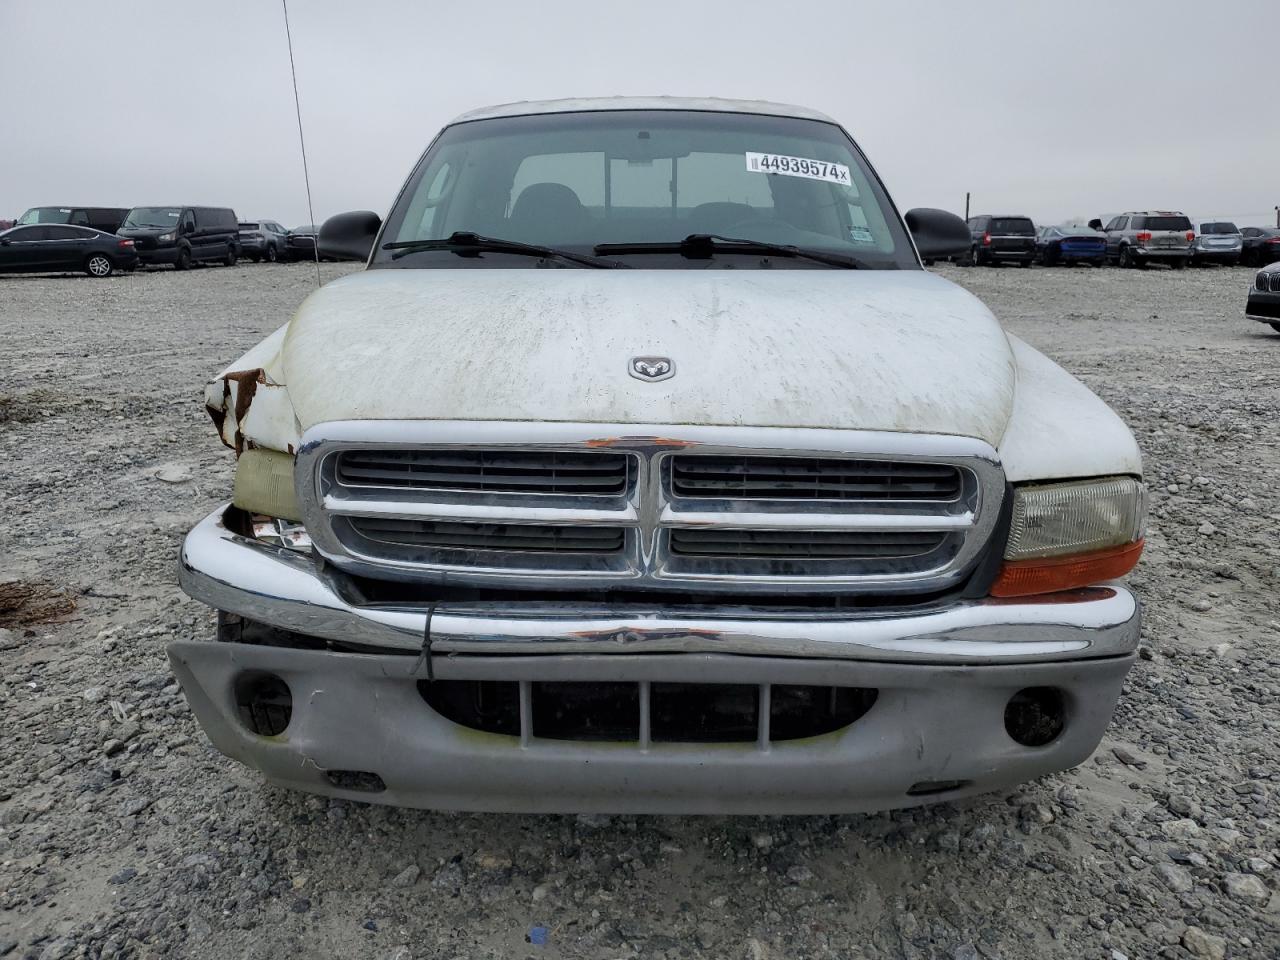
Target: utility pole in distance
column 966, row 208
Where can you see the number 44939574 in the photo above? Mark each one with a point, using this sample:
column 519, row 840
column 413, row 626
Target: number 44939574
column 797, row 167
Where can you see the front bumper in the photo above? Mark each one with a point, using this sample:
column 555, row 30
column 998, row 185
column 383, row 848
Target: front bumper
column 159, row 255
column 1263, row 306
column 944, row 674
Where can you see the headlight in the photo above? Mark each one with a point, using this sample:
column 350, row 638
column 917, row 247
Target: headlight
column 1057, row 519
column 166, row 237
column 1064, row 536
column 264, row 484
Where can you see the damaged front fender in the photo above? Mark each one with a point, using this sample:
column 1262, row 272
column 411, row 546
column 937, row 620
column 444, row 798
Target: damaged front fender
column 249, row 404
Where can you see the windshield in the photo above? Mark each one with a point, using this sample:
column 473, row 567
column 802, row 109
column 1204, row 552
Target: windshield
column 153, row 217
column 1012, row 227
column 575, row 180
column 1218, row 228
column 45, row 215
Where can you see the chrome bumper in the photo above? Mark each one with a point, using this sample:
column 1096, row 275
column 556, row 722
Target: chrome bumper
column 288, row 590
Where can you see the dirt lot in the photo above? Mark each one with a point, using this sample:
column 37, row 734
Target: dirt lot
column 122, row 833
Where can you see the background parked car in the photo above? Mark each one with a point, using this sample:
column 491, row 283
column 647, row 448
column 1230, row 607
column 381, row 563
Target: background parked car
column 262, row 240
column 107, row 219
column 1261, row 246
column 1217, row 241
column 301, row 242
column 1002, row 239
column 183, row 235
column 1139, row 237
column 1263, row 304
column 58, row 248
column 1071, row 245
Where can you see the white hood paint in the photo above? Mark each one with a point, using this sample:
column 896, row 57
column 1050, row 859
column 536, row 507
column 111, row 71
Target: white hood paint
column 873, row 350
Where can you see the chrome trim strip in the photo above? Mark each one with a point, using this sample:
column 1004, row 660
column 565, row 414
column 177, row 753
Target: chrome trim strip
column 649, row 507
column 818, row 520
column 477, row 512
column 286, row 589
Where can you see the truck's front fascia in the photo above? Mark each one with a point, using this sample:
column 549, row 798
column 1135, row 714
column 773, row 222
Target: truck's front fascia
column 355, row 670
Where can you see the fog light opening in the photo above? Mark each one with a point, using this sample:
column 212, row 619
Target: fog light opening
column 264, row 703
column 927, row 788
column 361, row 781
column 1035, row 716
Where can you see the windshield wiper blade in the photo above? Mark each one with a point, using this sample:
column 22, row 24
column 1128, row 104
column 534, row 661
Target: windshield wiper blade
column 701, row 246
column 464, row 242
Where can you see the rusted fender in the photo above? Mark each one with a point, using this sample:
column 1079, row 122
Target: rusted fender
column 249, row 404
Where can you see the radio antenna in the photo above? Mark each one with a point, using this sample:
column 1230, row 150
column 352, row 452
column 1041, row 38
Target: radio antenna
column 306, row 176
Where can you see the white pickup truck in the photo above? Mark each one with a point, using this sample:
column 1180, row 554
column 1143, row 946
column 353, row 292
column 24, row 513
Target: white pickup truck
column 644, row 468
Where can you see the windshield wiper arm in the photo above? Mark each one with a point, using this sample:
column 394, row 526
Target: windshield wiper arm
column 702, row 246
column 463, row 242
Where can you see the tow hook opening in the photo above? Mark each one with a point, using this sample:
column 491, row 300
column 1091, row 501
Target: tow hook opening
column 928, row 788
column 361, row 781
column 1035, row 716
column 264, row 703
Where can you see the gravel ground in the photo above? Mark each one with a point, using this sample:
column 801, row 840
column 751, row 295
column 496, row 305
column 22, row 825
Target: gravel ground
column 122, row 833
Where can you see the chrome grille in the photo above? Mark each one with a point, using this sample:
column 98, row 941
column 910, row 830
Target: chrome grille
column 803, row 544
column 532, row 472
column 514, row 538
column 710, row 509
column 1275, row 281
column 799, row 478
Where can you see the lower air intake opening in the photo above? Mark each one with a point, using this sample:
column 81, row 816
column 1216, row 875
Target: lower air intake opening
column 704, row 713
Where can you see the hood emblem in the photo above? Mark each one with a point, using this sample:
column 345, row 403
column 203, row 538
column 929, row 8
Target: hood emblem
column 652, row 368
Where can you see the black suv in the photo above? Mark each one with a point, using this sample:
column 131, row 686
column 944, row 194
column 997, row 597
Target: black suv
column 184, row 235
column 1001, row 239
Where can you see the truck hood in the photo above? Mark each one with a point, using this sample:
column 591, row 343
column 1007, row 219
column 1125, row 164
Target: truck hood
column 873, row 350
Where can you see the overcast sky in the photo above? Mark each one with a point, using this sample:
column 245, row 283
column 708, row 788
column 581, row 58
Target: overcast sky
column 1054, row 110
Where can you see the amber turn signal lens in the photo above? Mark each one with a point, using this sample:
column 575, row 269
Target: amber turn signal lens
column 1021, row 578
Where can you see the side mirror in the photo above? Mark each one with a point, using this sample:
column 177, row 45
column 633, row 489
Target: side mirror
column 1095, row 224
column 349, row 236
column 937, row 233
column 5, row 242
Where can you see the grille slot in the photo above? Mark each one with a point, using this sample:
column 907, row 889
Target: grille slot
column 487, row 471
column 505, row 537
column 803, row 544
column 812, row 478
column 648, row 713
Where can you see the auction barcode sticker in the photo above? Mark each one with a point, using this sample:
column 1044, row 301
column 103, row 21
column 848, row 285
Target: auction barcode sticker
column 798, row 167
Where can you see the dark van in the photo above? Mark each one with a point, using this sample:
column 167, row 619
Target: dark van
column 1002, row 239
column 183, row 235
column 106, row 219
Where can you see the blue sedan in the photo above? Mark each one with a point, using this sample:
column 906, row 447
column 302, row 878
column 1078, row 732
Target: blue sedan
column 1071, row 245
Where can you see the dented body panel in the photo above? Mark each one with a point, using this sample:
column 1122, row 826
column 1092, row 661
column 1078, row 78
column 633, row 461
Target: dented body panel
column 248, row 402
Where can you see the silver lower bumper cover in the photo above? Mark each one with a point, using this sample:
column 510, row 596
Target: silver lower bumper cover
column 944, row 678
